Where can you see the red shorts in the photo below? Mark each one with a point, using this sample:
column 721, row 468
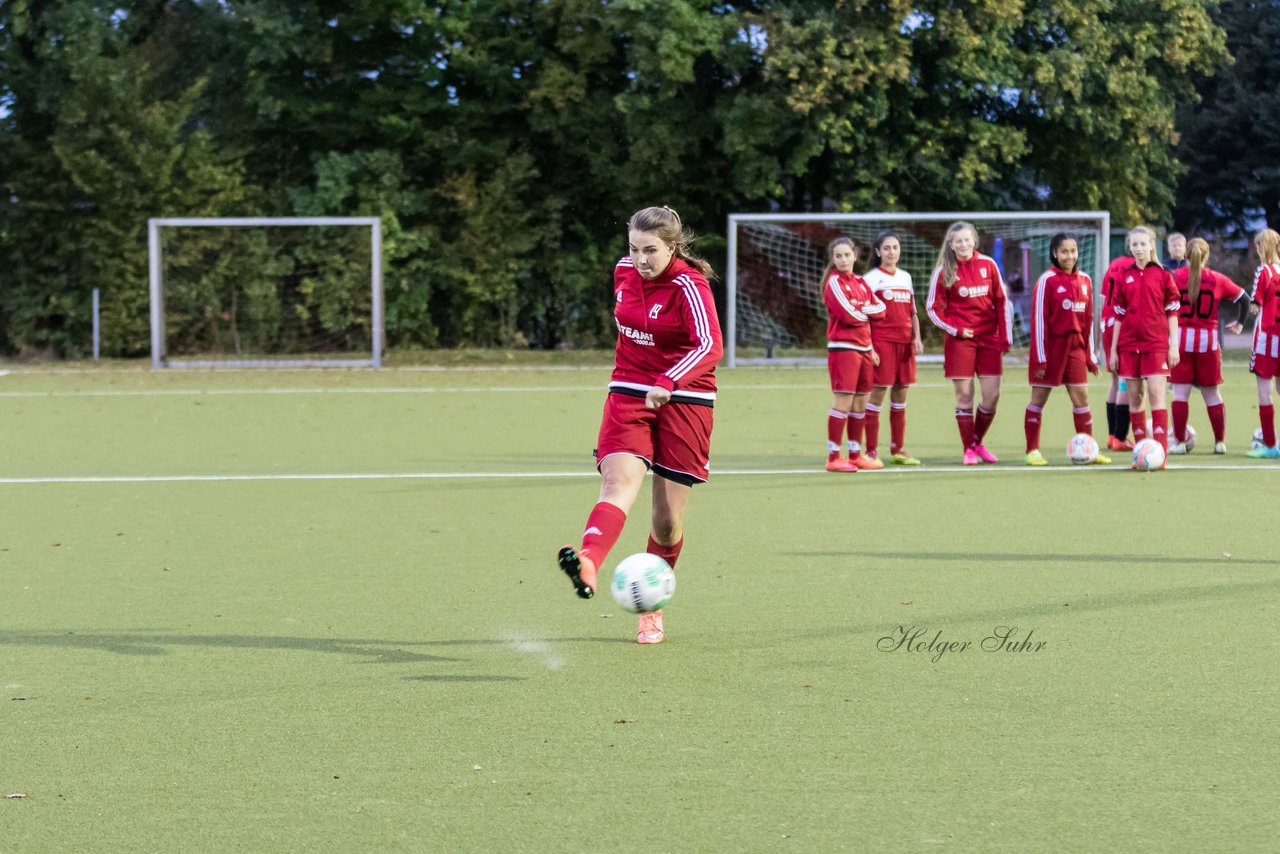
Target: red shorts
column 897, row 364
column 1136, row 364
column 674, row 440
column 1108, row 334
column 1266, row 367
column 964, row 357
column 1198, row 369
column 851, row 371
column 1068, row 362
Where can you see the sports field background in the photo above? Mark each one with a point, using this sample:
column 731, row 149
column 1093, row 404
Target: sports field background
column 320, row 611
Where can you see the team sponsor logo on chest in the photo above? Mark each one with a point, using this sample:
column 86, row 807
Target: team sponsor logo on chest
column 644, row 339
column 1068, row 305
column 975, row 291
column 900, row 295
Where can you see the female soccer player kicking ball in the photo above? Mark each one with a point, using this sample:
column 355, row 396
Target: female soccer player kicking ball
column 1265, row 361
column 967, row 301
column 658, row 411
column 851, row 359
column 1061, row 343
column 1201, row 291
column 1145, row 345
column 896, row 338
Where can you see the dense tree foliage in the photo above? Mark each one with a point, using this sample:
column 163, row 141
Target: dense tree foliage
column 1231, row 135
column 504, row 142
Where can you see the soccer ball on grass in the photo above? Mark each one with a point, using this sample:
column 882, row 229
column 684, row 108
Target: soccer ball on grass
column 1257, row 440
column 1082, row 449
column 643, row 583
column 1148, row 455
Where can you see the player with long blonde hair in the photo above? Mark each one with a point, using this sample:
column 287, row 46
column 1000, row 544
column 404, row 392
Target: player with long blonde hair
column 968, row 302
column 1265, row 360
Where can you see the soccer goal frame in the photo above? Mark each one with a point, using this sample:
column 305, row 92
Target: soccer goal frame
column 978, row 218
column 159, row 356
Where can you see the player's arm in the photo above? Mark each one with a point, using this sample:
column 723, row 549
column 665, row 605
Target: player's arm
column 1093, row 358
column 1172, row 306
column 935, row 304
column 842, row 301
column 1229, row 291
column 1004, row 308
column 698, row 313
column 1039, row 356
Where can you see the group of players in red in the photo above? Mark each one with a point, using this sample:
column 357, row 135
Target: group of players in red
column 658, row 412
column 1159, row 325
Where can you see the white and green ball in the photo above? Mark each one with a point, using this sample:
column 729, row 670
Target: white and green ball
column 643, row 583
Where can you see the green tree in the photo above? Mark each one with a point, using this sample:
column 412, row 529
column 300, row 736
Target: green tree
column 1230, row 144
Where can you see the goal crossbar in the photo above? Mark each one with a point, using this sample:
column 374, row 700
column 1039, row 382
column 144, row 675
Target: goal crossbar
column 1102, row 218
column 159, row 358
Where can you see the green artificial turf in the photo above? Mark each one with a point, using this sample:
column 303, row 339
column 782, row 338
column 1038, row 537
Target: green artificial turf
column 394, row 663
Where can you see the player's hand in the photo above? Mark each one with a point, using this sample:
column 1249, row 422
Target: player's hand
column 1174, row 357
column 1235, row 327
column 1040, row 374
column 1094, row 369
column 918, row 345
column 875, row 358
column 1253, row 309
column 966, row 333
column 657, row 396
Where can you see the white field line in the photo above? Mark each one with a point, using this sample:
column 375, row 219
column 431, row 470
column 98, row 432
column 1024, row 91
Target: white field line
column 923, row 470
column 215, row 392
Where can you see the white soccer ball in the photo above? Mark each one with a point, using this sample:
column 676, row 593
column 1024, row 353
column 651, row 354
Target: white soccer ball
column 1148, row 455
column 1257, row 440
column 1082, row 449
column 1191, row 438
column 643, row 583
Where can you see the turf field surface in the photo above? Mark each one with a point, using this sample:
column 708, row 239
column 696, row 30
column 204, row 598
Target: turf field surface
column 287, row 611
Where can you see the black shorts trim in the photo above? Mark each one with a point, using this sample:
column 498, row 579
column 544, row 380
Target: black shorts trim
column 676, row 397
column 681, row 477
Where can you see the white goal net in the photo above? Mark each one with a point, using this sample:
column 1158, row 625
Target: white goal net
column 774, row 298
column 266, row 292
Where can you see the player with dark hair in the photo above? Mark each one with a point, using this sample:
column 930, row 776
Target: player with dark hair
column 851, row 358
column 896, row 338
column 1062, row 349
column 1201, row 291
column 657, row 414
column 967, row 301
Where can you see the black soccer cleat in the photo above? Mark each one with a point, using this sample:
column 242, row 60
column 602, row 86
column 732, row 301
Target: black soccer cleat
column 572, row 566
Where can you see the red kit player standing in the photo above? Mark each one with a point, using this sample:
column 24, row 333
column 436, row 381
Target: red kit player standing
column 967, row 301
column 1202, row 292
column 851, row 359
column 658, row 411
column 1145, row 345
column 1265, row 361
column 1117, row 398
column 896, row 338
column 1062, row 350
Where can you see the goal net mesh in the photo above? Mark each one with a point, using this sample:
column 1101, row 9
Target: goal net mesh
column 266, row 294
column 778, row 298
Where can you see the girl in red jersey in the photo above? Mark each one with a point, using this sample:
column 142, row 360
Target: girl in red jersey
column 1201, row 291
column 1062, row 348
column 657, row 414
column 896, row 338
column 1265, row 360
column 967, row 301
column 1117, row 394
column 1145, row 345
column 851, row 359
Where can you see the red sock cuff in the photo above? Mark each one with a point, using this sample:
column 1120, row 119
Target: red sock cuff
column 668, row 553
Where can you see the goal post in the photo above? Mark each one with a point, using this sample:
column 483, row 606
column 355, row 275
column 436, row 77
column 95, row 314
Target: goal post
column 774, row 299
column 354, row 339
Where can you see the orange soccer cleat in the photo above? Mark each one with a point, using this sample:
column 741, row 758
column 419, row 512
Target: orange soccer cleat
column 835, row 462
column 581, row 571
column 1114, row 444
column 650, row 630
column 862, row 461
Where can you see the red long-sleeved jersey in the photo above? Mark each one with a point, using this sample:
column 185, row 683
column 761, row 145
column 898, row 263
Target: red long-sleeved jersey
column 1061, row 307
column 975, row 300
column 850, row 307
column 1143, row 300
column 668, row 332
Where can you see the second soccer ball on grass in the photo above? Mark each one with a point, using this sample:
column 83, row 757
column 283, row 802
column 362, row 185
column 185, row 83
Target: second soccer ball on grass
column 1082, row 449
column 1148, row 455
